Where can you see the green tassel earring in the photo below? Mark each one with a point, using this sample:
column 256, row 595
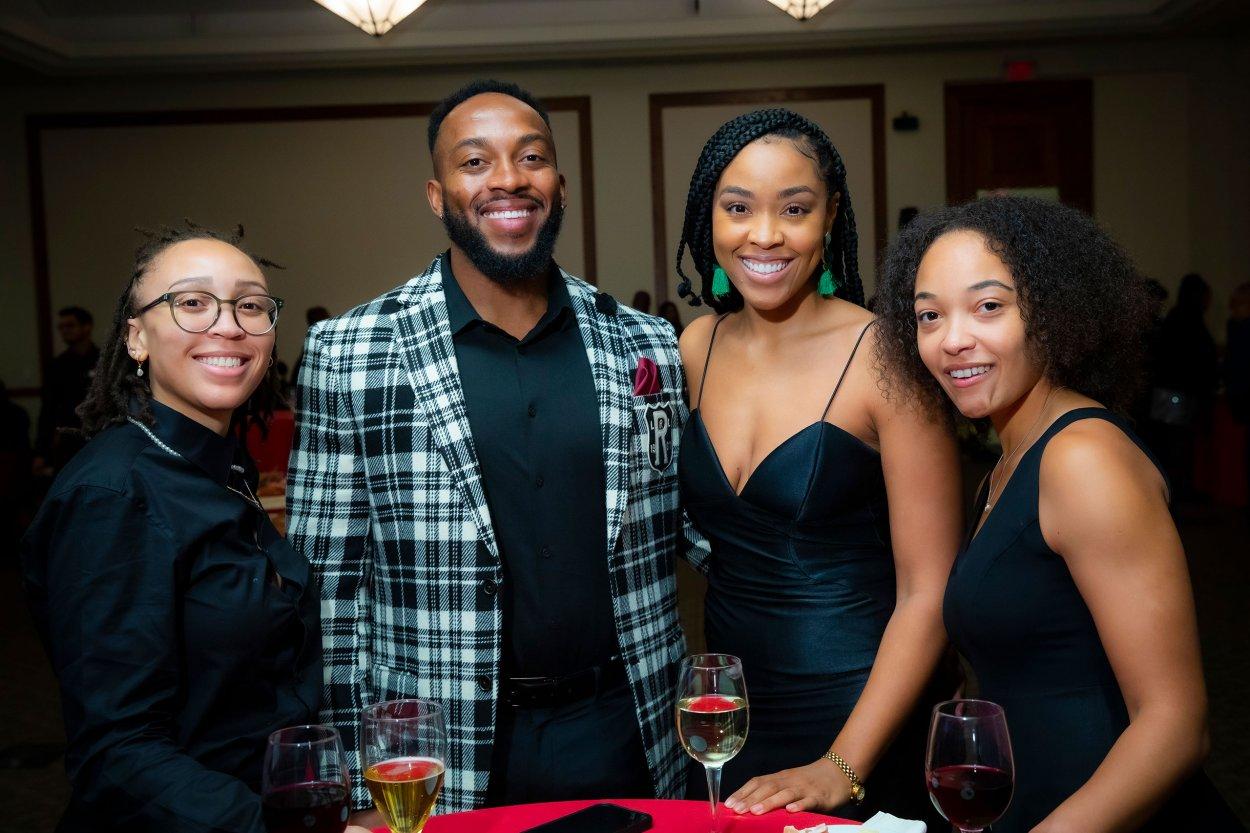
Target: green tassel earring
column 827, row 285
column 720, row 283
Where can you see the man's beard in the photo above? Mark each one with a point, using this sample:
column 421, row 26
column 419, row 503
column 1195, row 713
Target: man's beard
column 505, row 270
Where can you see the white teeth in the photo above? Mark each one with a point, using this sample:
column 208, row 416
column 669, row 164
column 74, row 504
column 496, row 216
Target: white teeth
column 765, row 267
column 969, row 372
column 509, row 215
column 220, row 361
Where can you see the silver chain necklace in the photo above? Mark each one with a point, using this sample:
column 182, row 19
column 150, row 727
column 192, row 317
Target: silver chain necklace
column 249, row 496
column 989, row 496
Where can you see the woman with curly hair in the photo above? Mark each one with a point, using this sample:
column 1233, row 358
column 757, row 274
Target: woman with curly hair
column 1071, row 600
column 182, row 628
column 833, row 515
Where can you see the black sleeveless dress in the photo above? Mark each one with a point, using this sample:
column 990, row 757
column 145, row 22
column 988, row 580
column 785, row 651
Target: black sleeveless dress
column 1015, row 613
column 801, row 588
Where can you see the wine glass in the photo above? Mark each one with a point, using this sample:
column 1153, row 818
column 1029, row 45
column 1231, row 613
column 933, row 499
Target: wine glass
column 712, row 716
column 304, row 783
column 403, row 746
column 968, row 767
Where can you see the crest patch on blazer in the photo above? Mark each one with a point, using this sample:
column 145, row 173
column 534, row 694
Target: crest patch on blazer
column 661, row 436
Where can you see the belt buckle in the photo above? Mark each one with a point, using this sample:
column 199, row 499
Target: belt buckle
column 524, row 692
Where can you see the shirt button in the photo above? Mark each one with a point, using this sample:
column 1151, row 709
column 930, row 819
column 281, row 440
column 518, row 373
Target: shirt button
column 545, row 552
column 538, row 482
column 483, row 682
column 489, row 587
column 533, row 412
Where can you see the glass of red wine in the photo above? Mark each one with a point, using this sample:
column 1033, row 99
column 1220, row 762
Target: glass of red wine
column 969, row 769
column 304, row 786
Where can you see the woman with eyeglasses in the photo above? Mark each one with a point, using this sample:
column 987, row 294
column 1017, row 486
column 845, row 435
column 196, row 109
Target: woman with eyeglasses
column 182, row 627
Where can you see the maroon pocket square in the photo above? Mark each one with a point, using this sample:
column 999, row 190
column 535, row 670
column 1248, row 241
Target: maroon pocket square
column 646, row 377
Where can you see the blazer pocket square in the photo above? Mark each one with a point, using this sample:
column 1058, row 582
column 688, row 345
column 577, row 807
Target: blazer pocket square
column 646, row 377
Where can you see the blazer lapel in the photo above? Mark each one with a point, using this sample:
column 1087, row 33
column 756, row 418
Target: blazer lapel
column 424, row 340
column 610, row 366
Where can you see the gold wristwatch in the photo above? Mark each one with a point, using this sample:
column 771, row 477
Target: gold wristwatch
column 857, row 786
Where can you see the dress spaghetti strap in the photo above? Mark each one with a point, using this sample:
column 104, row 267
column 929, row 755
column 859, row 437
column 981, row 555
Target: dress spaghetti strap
column 845, row 368
column 708, row 360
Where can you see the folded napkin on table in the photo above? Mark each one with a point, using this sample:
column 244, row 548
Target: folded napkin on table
column 880, row 823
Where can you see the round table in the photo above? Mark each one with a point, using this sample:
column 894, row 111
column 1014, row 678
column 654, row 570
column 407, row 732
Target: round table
column 667, row 817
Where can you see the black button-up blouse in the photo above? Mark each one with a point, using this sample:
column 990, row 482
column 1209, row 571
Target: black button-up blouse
column 182, row 627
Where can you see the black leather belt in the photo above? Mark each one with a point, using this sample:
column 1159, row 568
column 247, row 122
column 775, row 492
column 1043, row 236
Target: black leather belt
column 553, row 692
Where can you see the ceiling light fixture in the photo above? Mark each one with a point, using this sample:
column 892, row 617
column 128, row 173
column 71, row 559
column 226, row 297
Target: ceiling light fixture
column 801, row 9
column 374, row 17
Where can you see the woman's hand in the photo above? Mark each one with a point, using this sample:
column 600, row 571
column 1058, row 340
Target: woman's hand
column 817, row 786
column 351, row 828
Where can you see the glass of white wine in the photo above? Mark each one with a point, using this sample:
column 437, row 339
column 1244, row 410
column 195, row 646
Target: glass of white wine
column 712, row 717
column 403, row 746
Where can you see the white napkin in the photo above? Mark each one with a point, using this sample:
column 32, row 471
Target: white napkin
column 880, row 823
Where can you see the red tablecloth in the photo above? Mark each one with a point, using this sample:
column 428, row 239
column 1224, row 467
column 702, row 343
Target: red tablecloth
column 667, row 816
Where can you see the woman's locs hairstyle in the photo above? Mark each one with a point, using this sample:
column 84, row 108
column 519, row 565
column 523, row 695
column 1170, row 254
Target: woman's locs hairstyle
column 841, row 255
column 1086, row 309
column 118, row 390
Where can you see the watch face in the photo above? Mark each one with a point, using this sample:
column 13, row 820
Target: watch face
column 857, row 792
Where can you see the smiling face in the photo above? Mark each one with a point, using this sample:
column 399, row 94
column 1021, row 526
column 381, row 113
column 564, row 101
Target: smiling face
column 496, row 185
column 969, row 328
column 203, row 376
column 770, row 214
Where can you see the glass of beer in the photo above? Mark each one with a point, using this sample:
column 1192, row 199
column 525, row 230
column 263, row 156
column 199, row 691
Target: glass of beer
column 403, row 744
column 712, row 716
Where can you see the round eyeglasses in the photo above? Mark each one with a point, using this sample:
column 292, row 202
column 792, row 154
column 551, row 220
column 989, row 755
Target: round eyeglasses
column 195, row 311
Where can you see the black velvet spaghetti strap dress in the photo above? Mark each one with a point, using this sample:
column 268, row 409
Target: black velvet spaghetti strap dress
column 801, row 587
column 1014, row 611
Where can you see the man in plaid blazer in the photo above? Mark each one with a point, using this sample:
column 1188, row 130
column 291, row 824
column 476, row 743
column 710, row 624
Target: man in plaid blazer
column 409, row 517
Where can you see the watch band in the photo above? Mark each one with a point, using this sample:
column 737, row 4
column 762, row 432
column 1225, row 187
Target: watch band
column 857, row 786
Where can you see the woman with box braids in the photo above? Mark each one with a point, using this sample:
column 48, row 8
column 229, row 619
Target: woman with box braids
column 828, row 509
column 841, row 246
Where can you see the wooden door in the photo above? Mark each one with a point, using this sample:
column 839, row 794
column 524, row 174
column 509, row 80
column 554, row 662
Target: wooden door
column 1033, row 136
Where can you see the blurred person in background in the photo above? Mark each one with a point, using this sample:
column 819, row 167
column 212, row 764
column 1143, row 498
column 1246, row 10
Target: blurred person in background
column 312, row 316
column 65, row 386
column 1237, row 365
column 642, row 301
column 1182, row 394
column 15, row 471
column 668, row 311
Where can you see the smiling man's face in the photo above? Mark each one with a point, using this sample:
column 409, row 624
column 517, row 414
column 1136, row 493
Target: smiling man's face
column 496, row 186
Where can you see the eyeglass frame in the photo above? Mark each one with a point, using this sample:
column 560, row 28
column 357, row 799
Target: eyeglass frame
column 168, row 298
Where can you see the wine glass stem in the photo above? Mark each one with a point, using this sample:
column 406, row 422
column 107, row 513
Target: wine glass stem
column 713, row 793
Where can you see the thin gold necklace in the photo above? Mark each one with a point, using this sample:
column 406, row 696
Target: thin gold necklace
column 989, row 497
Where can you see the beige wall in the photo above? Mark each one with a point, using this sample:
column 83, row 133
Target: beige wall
column 1170, row 124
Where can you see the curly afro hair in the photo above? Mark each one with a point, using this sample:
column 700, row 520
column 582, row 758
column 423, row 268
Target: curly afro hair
column 1086, row 309
column 842, row 247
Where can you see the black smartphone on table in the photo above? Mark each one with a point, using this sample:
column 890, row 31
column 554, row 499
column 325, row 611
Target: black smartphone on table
column 597, row 818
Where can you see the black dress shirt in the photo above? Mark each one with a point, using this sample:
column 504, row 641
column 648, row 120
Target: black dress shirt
column 534, row 413
column 181, row 625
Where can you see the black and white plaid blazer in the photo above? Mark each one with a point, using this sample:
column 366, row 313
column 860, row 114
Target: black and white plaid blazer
column 385, row 499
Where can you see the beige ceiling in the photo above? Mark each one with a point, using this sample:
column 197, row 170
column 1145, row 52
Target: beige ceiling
column 84, row 36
